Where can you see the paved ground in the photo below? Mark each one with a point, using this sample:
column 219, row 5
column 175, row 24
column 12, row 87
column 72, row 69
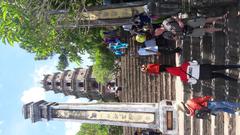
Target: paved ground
column 217, row 48
column 141, row 87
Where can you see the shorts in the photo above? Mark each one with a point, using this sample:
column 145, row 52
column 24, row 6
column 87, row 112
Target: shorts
column 205, row 72
column 197, row 32
column 196, row 22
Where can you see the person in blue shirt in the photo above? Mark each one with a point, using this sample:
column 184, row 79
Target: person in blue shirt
column 117, row 48
column 117, row 45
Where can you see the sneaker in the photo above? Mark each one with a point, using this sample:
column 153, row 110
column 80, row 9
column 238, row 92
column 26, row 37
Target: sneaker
column 237, row 113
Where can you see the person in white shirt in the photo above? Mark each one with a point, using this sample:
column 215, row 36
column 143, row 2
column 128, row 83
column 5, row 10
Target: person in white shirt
column 197, row 71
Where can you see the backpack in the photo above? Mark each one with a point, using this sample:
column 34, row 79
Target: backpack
column 203, row 113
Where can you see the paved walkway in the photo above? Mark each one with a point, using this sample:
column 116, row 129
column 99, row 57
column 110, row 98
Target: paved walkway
column 142, row 87
column 217, row 48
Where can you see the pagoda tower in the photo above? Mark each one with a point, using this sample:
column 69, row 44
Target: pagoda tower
column 78, row 83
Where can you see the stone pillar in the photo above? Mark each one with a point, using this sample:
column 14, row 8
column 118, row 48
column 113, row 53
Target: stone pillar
column 160, row 116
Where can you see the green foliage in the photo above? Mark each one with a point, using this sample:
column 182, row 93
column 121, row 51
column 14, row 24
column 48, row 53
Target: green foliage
column 103, row 65
column 29, row 23
column 115, row 130
column 95, row 129
column 62, row 63
column 11, row 20
column 34, row 24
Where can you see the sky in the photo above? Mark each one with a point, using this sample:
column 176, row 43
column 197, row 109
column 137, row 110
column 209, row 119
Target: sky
column 20, row 77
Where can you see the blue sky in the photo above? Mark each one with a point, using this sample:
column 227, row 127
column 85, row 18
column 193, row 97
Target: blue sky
column 19, row 82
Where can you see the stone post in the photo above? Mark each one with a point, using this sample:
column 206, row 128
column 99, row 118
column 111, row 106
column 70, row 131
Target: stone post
column 160, row 116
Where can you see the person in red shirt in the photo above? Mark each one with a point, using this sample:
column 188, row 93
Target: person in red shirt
column 197, row 103
column 206, row 103
column 191, row 71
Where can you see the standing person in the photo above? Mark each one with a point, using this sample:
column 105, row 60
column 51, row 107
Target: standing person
column 153, row 48
column 191, row 71
column 205, row 104
column 174, row 27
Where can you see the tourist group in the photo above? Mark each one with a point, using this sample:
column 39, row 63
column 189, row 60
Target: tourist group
column 155, row 35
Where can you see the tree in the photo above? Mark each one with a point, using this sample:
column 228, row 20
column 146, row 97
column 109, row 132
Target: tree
column 95, row 129
column 34, row 25
column 63, row 62
column 28, row 23
column 12, row 22
column 103, row 64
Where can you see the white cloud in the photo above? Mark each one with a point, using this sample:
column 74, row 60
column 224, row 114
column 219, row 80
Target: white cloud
column 36, row 92
column 43, row 70
column 33, row 94
column 86, row 61
column 72, row 128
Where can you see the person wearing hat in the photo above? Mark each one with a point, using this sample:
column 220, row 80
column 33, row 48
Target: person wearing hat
column 191, row 71
column 192, row 106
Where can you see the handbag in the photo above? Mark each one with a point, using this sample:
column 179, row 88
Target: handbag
column 204, row 113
